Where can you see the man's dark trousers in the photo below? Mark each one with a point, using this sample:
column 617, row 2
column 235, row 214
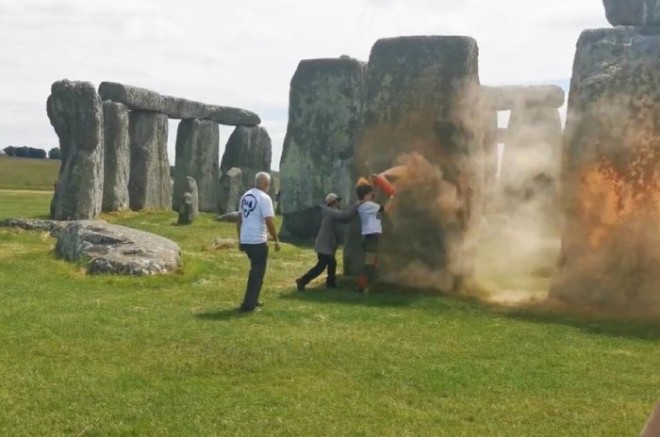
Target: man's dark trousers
column 325, row 260
column 258, row 254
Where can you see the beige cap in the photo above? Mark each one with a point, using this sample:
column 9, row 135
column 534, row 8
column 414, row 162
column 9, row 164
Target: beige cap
column 332, row 197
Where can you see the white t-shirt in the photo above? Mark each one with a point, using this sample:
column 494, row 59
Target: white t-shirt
column 370, row 213
column 255, row 207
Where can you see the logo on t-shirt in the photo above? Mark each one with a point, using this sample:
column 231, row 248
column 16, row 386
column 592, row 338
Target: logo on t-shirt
column 248, row 205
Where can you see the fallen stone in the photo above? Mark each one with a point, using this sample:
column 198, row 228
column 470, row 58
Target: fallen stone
column 197, row 156
column 112, row 249
column 149, row 183
column 76, row 113
column 611, row 156
column 231, row 217
column 33, row 224
column 142, row 99
column 117, row 157
column 323, row 129
column 632, row 12
column 504, row 98
column 224, row 243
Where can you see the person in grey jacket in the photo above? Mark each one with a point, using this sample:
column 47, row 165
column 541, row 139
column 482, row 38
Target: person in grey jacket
column 326, row 241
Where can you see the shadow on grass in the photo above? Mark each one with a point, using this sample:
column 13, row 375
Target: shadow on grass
column 379, row 296
column 647, row 329
column 222, row 315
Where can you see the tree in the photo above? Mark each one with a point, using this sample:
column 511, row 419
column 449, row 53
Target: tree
column 10, row 151
column 36, row 153
column 55, row 153
column 22, row 152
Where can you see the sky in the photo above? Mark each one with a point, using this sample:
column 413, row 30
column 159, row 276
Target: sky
column 244, row 53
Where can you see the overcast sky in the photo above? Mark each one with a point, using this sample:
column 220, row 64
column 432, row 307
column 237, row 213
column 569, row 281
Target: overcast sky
column 244, row 53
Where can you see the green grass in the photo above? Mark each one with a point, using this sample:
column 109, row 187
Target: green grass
column 28, row 174
column 169, row 355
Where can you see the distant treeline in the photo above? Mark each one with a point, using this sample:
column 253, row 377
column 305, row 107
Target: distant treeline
column 32, row 152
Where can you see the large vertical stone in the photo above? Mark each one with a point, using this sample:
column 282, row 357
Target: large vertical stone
column 197, row 156
column 232, row 187
column 76, row 113
column 422, row 109
column 324, row 111
column 611, row 171
column 249, row 149
column 490, row 149
column 149, row 183
column 117, row 157
column 530, row 164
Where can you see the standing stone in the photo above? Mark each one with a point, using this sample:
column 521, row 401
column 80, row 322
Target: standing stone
column 232, row 188
column 490, row 149
column 422, row 110
column 76, row 113
column 324, row 115
column 531, row 163
column 611, row 175
column 189, row 204
column 197, row 156
column 633, row 12
column 249, row 149
column 149, row 184
column 117, row 157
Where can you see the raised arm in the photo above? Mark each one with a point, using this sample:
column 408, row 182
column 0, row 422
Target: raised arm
column 343, row 215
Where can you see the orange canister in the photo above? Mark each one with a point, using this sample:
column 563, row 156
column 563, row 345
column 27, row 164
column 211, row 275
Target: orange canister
column 383, row 184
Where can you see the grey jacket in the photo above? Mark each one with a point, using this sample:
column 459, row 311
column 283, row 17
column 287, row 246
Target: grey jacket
column 326, row 240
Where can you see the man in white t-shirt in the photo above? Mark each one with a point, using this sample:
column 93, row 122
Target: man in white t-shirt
column 254, row 224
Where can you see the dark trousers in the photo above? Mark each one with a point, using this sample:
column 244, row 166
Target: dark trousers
column 328, row 261
column 258, row 254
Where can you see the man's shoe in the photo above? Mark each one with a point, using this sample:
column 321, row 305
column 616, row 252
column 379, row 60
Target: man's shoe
column 300, row 285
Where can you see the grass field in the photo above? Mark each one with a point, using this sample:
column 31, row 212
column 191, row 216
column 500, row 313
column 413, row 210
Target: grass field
column 28, row 174
column 170, row 355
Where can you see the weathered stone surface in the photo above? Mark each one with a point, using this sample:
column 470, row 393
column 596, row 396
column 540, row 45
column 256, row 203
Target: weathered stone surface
column 232, row 187
column 76, row 113
column 430, row 236
column 490, row 150
column 117, row 157
column 32, row 224
column 197, row 156
column 113, row 249
column 633, row 12
column 531, row 165
column 504, row 98
column 149, row 183
column 249, row 149
column 323, row 128
column 189, row 206
column 142, row 99
column 611, row 172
